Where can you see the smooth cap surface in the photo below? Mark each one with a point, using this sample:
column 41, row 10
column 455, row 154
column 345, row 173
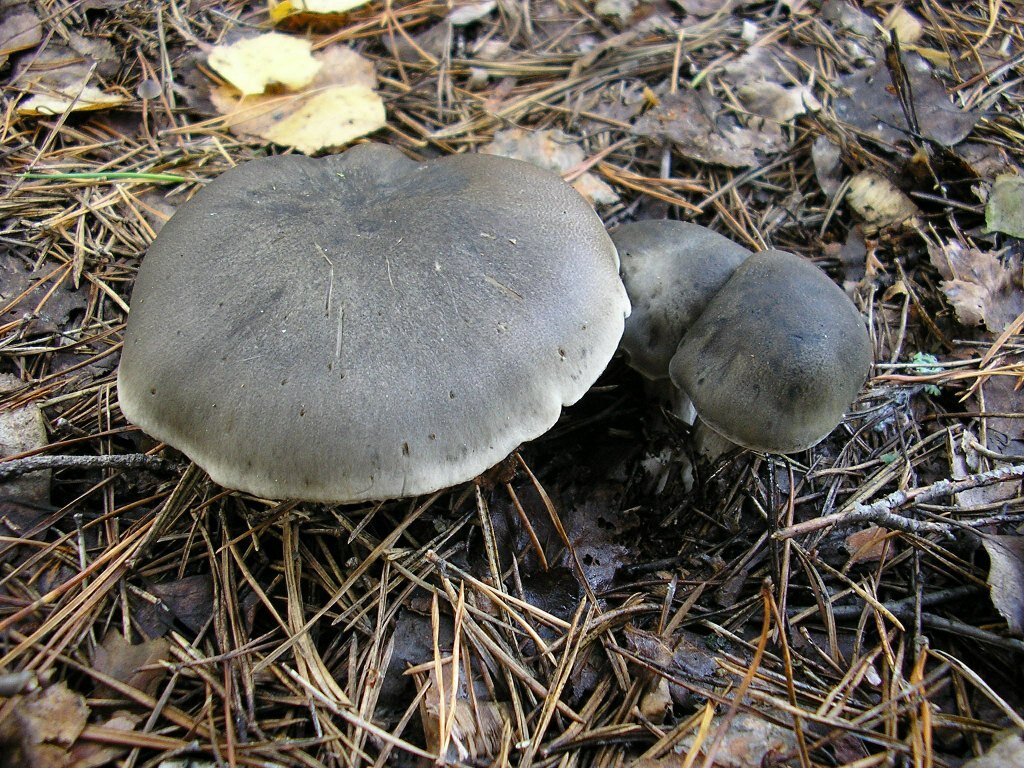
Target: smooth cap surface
column 364, row 326
column 777, row 356
column 671, row 269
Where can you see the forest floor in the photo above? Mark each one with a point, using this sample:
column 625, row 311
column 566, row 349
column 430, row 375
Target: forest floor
column 857, row 604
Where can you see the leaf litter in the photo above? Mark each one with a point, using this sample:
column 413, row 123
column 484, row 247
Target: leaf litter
column 837, row 607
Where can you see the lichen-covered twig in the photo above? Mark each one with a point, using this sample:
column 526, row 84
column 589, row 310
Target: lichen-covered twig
column 882, row 511
column 18, row 467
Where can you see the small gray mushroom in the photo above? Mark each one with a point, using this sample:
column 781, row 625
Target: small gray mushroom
column 671, row 270
column 776, row 357
column 364, row 326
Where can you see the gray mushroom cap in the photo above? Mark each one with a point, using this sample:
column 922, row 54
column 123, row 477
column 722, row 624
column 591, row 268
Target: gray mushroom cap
column 363, row 326
column 671, row 269
column 777, row 356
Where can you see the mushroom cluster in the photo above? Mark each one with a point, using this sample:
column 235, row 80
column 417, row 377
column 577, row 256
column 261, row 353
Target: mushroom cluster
column 768, row 349
column 365, row 326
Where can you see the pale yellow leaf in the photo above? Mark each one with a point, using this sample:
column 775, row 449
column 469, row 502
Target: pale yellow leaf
column 255, row 63
column 74, row 99
column 331, row 118
column 285, row 8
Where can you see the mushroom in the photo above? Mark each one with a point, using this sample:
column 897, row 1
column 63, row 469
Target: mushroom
column 776, row 357
column 365, row 326
column 671, row 269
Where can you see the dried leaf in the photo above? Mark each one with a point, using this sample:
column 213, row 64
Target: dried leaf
column 867, row 545
column 337, row 106
column 89, row 754
column 76, row 97
column 190, row 599
column 475, row 731
column 1005, row 753
column 1004, row 211
column 828, row 165
column 286, row 8
column 23, row 429
column 253, row 64
column 41, row 727
column 702, row 8
column 872, row 106
column 965, row 461
column 750, row 742
column 465, row 13
column 20, row 29
column 980, row 287
column 1006, row 578
column 59, row 77
column 907, row 26
column 878, row 201
column 1004, row 434
column 555, row 151
column 696, row 124
column 128, row 663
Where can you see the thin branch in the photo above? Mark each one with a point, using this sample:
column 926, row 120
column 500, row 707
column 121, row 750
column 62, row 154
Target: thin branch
column 881, row 512
column 19, row 467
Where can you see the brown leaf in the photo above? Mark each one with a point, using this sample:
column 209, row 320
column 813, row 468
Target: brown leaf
column 696, row 124
column 127, row 663
column 1006, row 578
column 41, row 728
column 750, row 742
column 867, row 545
column 872, row 106
column 475, row 731
column 982, row 289
column 89, row 754
column 190, row 599
column 1004, row 434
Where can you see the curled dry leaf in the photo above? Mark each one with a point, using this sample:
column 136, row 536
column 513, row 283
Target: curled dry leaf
column 878, row 201
column 475, row 728
column 336, row 106
column 60, row 77
column 1006, row 578
column 697, row 126
column 555, row 151
column 982, row 289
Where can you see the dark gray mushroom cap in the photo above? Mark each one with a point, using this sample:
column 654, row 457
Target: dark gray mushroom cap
column 777, row 356
column 364, row 326
column 671, row 269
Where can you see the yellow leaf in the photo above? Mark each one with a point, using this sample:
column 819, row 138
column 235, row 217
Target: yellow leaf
column 339, row 105
column 253, row 64
column 285, row 8
column 74, row 99
column 331, row 118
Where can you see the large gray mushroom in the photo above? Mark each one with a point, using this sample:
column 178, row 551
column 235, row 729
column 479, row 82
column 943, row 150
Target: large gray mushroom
column 365, row 326
column 776, row 357
column 671, row 270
